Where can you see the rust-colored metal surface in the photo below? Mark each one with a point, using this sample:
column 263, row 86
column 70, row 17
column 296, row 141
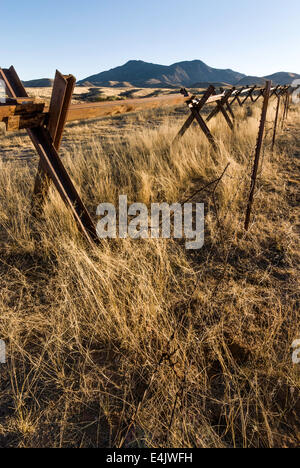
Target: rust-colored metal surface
column 276, row 122
column 52, row 164
column 18, row 116
column 62, row 92
column 195, row 105
column 221, row 107
column 258, row 152
column 249, row 94
column 94, row 110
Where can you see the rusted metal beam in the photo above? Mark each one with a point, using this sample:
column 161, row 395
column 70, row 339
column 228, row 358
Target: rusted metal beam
column 220, row 107
column 95, row 110
column 62, row 92
column 250, row 92
column 287, row 105
column 260, row 93
column 20, row 116
column 221, row 100
column 285, row 108
column 274, row 91
column 195, row 105
column 204, row 128
column 276, row 122
column 52, row 164
column 229, row 108
column 16, row 109
column 63, row 89
column 237, row 95
column 257, row 153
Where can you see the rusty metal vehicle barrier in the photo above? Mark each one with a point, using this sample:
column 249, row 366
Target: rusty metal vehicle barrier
column 45, row 127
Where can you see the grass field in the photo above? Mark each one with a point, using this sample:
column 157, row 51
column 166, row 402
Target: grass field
column 85, row 94
column 143, row 343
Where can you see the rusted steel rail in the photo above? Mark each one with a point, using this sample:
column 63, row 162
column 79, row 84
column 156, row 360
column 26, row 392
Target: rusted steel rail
column 63, row 88
column 223, row 105
column 195, row 106
column 279, row 92
column 94, row 110
column 258, row 152
column 43, row 136
column 86, row 111
column 19, row 115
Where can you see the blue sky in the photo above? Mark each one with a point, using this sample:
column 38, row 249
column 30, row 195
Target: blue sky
column 86, row 37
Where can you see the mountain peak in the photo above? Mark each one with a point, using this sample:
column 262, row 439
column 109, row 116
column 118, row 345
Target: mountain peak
column 181, row 74
column 132, row 62
column 144, row 74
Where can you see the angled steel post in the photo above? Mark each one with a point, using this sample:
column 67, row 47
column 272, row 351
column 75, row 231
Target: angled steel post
column 220, row 107
column 257, row 153
column 287, row 104
column 285, row 109
column 249, row 94
column 237, row 96
column 62, row 92
column 52, row 164
column 260, row 94
column 195, row 107
column 275, row 91
column 276, row 122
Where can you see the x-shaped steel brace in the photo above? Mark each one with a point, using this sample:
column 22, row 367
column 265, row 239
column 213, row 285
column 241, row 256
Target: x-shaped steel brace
column 259, row 95
column 281, row 91
column 249, row 94
column 278, row 96
column 237, row 96
column 228, row 105
column 195, row 105
column 220, row 107
column 275, row 91
column 46, row 140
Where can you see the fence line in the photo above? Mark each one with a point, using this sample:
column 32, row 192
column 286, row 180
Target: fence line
column 45, row 127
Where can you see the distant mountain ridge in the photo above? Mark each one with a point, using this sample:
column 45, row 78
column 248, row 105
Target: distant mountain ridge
column 283, row 78
column 251, row 80
column 40, row 83
column 142, row 74
column 190, row 74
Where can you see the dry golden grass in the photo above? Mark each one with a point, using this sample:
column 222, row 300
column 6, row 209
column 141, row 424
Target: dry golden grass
column 86, row 328
column 44, row 94
column 85, row 93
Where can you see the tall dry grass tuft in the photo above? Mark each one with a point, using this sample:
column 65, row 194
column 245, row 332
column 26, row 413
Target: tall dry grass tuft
column 199, row 342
